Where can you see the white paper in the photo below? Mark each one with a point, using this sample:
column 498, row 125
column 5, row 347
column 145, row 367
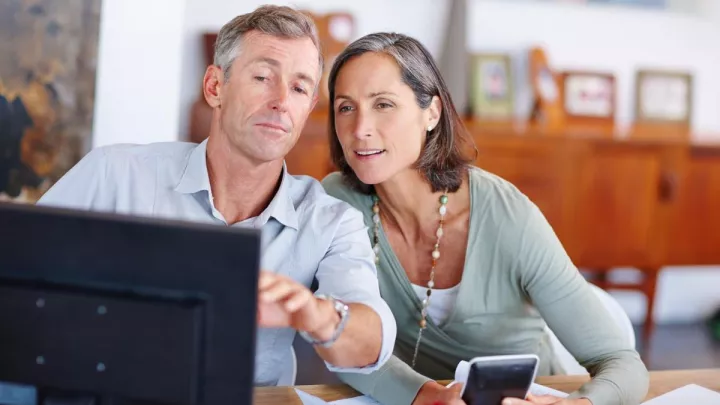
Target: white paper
column 689, row 394
column 308, row 399
column 537, row 390
column 361, row 400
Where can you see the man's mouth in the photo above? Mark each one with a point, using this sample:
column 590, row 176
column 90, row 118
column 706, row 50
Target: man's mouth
column 271, row 125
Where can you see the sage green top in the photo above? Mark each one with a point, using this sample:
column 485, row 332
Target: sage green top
column 517, row 277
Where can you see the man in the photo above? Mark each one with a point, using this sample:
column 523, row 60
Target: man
column 262, row 87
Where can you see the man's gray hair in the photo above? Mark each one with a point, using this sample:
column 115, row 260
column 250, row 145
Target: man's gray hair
column 279, row 21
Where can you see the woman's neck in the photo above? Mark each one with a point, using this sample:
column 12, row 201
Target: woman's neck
column 408, row 202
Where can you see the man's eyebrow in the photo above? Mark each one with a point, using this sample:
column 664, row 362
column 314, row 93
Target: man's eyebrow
column 306, row 78
column 274, row 62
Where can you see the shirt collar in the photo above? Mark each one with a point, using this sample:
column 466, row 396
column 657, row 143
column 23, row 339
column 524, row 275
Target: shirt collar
column 282, row 206
column 195, row 178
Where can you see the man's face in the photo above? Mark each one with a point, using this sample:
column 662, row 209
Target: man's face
column 269, row 95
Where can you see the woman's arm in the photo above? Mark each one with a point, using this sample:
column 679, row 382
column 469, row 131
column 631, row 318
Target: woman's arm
column 578, row 318
column 395, row 383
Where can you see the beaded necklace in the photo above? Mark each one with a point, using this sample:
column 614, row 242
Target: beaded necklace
column 435, row 256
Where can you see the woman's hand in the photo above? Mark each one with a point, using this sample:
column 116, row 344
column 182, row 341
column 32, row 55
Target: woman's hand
column 432, row 393
column 545, row 400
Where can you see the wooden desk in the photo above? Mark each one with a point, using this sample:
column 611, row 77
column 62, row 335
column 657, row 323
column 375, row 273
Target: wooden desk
column 661, row 382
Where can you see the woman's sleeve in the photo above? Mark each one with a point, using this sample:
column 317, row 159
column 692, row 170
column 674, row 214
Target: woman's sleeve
column 577, row 316
column 395, row 383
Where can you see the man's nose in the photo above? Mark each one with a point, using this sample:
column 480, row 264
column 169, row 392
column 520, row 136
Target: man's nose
column 279, row 101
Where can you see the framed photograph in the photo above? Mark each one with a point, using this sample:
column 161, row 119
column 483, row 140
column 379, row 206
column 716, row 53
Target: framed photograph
column 492, row 88
column 589, row 96
column 663, row 97
column 547, row 109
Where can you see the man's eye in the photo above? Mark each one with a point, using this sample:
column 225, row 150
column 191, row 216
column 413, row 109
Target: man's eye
column 260, row 78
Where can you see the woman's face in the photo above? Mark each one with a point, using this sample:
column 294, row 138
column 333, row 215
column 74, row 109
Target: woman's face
column 378, row 122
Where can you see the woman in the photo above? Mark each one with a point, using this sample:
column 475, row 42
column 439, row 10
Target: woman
column 462, row 255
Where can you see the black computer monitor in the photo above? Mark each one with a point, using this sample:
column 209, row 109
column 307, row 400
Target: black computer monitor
column 127, row 310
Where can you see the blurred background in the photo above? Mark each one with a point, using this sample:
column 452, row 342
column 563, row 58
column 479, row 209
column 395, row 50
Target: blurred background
column 605, row 113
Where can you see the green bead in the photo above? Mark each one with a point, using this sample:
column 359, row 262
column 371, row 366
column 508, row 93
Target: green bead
column 443, row 199
column 375, row 198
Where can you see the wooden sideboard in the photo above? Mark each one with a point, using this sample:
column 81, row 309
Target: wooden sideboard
column 642, row 198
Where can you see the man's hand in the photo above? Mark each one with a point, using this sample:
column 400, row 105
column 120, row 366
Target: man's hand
column 432, row 393
column 545, row 400
column 283, row 302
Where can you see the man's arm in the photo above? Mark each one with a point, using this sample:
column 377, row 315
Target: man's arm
column 346, row 273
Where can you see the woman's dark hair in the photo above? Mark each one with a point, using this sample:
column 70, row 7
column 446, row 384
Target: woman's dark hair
column 444, row 159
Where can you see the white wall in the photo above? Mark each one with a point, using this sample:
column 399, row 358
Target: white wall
column 614, row 39
column 138, row 77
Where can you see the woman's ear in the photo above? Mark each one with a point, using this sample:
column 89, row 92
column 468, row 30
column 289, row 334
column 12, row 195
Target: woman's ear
column 434, row 111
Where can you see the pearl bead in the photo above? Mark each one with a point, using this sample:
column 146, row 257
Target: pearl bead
column 376, row 209
column 376, row 249
column 431, row 284
column 376, row 218
column 436, row 254
column 424, row 302
column 439, row 233
column 377, row 259
column 443, row 210
column 423, row 323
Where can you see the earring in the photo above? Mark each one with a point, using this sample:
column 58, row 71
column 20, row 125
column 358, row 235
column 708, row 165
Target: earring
column 430, row 128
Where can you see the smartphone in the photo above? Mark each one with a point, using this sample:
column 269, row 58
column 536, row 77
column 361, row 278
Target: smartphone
column 494, row 378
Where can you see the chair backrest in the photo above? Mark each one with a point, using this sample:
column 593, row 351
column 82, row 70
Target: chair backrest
column 289, row 374
column 568, row 362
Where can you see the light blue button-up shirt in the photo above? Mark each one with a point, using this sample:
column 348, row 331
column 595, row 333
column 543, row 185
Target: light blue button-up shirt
column 306, row 233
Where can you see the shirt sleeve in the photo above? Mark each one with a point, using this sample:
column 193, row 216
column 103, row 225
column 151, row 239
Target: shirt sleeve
column 84, row 186
column 394, row 383
column 577, row 317
column 347, row 272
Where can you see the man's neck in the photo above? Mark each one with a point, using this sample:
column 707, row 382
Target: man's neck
column 241, row 188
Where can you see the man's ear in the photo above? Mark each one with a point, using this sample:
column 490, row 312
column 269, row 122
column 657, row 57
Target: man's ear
column 212, row 85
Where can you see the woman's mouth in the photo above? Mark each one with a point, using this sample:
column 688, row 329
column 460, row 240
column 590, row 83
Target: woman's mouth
column 368, row 153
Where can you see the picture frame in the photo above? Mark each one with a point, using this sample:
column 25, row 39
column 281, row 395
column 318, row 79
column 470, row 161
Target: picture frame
column 663, row 97
column 589, row 96
column 491, row 86
column 546, row 107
